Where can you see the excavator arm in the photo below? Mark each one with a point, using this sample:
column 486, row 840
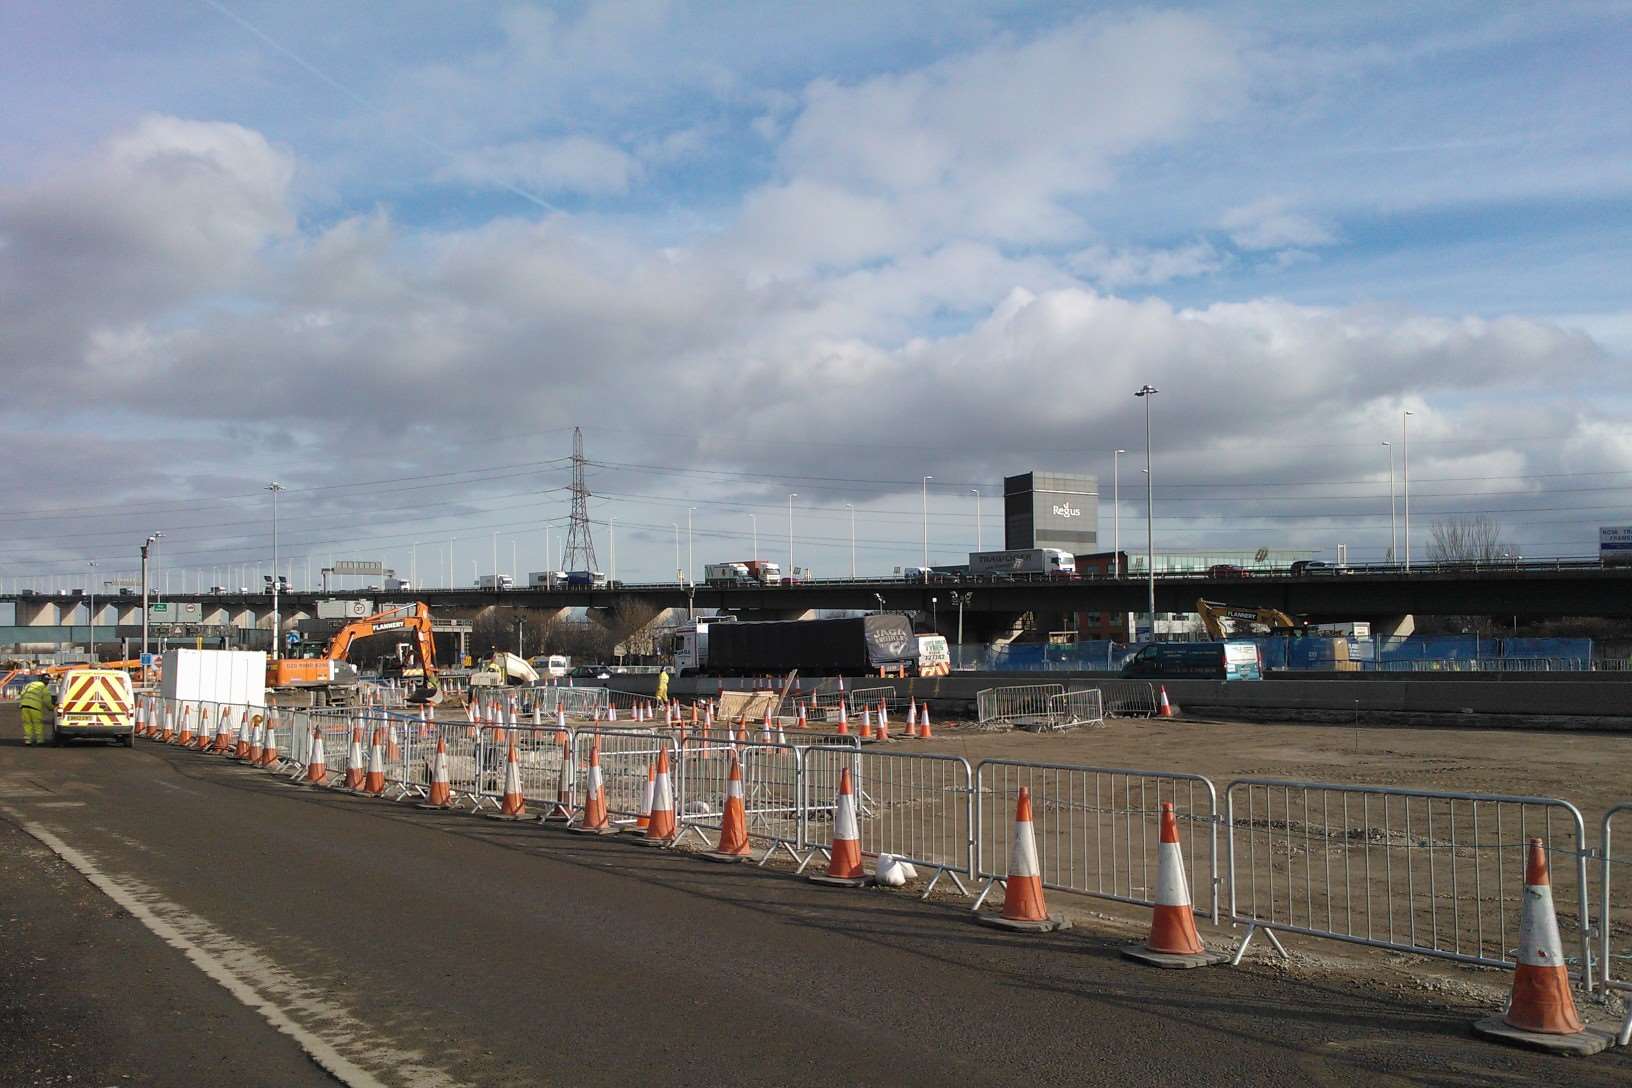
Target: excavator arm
column 1215, row 616
column 415, row 619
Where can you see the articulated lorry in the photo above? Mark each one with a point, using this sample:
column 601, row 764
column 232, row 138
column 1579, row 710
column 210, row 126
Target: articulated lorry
column 855, row 645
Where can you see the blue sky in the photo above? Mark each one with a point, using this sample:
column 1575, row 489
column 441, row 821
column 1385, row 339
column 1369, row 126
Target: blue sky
column 347, row 242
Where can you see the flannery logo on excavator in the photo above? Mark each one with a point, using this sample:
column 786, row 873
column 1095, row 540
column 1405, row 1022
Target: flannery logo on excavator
column 93, row 695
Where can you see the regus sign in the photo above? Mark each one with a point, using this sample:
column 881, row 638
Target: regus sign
column 1068, row 511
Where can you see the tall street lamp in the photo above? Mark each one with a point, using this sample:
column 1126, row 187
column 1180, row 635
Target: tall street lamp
column 146, row 544
column 691, row 562
column 791, row 496
column 926, row 520
column 1116, row 513
column 754, row 519
column 277, row 619
column 1393, row 528
column 679, row 574
column 90, row 632
column 850, row 506
column 1405, row 466
column 975, row 491
column 1145, row 393
column 612, row 538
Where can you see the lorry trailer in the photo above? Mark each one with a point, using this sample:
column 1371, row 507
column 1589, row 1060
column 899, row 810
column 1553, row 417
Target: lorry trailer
column 858, row 644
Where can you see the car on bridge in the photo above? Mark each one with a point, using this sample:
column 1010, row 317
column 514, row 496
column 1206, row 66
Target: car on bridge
column 1227, row 570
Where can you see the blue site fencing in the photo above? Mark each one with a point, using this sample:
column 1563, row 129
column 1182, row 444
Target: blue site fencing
column 1431, row 653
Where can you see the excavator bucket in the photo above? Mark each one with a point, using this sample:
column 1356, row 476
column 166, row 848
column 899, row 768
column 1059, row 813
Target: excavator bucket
column 425, row 695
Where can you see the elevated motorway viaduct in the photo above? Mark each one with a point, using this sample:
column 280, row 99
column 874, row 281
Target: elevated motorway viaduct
column 1533, row 589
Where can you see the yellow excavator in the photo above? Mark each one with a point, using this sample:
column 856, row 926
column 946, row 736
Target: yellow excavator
column 331, row 671
column 1223, row 620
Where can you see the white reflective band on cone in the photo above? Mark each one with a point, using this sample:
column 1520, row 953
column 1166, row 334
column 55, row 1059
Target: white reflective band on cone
column 1172, row 889
column 1539, row 944
column 1023, row 852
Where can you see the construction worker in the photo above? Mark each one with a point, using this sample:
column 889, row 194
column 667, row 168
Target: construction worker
column 35, row 702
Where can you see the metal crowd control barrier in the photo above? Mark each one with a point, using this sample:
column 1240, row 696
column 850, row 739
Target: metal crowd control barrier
column 1615, row 886
column 771, row 774
column 1128, row 698
column 869, row 698
column 1423, row 871
column 539, row 756
column 1075, row 709
column 577, row 702
column 1098, row 828
column 918, row 807
column 999, row 708
column 626, row 756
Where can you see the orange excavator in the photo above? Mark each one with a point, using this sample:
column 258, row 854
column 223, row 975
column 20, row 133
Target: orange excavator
column 331, row 670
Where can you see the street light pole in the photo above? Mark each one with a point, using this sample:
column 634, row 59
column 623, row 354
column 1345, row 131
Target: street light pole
column 850, row 506
column 277, row 618
column 691, row 562
column 791, row 496
column 146, row 544
column 926, row 520
column 679, row 575
column 1405, row 465
column 612, row 537
column 978, row 546
column 1145, row 393
column 1116, row 513
column 754, row 519
column 90, row 630
column 1393, row 528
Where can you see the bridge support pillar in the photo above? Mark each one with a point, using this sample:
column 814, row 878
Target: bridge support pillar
column 1394, row 627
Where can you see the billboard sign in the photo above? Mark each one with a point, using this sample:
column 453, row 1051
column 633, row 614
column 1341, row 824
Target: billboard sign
column 1615, row 544
column 360, row 567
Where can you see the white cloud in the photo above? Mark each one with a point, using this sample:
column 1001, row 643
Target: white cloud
column 1272, row 223
column 577, row 164
column 1137, row 266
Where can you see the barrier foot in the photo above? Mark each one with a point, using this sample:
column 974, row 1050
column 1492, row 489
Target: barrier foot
column 1624, row 1038
column 1276, row 941
column 1246, row 941
column 984, row 892
column 1582, row 1043
column 792, row 853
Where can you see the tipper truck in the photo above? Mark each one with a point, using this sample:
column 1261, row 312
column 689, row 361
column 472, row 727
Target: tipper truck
column 855, row 645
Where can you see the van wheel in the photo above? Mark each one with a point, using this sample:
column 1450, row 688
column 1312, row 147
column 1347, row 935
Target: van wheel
column 128, row 740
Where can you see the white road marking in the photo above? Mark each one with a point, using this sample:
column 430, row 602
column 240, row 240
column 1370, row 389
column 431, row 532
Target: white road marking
column 248, row 976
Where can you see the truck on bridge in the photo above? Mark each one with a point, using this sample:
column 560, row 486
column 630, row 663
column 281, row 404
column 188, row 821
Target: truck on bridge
column 727, row 574
column 1046, row 562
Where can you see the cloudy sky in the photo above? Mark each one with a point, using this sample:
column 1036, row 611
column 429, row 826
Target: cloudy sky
column 390, row 254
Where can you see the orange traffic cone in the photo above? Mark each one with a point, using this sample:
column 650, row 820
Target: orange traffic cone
column 441, row 795
column 393, row 748
column 733, row 845
column 1541, row 1013
column 257, row 737
column 844, row 720
column 912, row 719
column 514, row 804
column 644, row 820
column 1024, row 908
column 883, row 723
column 594, row 821
column 223, row 733
column 374, row 780
column 246, row 729
column 167, row 732
column 315, row 770
column 1173, row 940
column 561, row 811
column 1166, row 708
column 269, row 749
column 661, row 828
column 866, row 723
column 844, row 859
column 354, row 761
column 924, row 731
column 804, row 723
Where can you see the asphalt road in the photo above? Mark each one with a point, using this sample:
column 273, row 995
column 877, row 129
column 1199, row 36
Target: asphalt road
column 421, row 948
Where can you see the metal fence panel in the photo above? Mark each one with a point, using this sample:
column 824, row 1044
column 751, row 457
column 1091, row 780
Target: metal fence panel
column 918, row 807
column 626, row 755
column 1430, row 872
column 1098, row 828
column 770, row 789
column 1076, row 709
column 1615, row 888
column 1128, row 698
column 1000, row 707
